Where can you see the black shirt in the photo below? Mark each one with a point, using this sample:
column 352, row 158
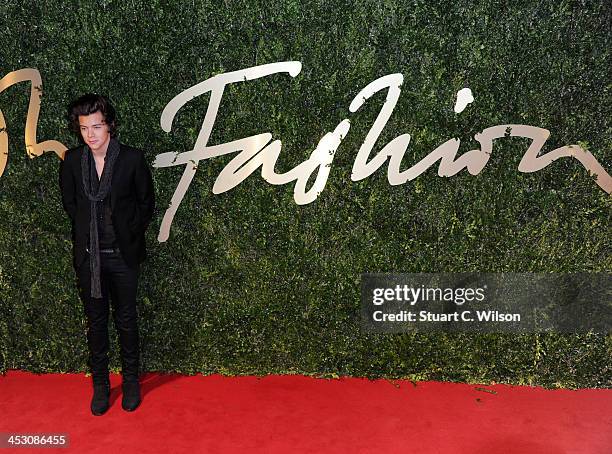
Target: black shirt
column 106, row 231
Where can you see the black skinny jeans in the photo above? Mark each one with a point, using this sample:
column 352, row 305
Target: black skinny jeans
column 120, row 282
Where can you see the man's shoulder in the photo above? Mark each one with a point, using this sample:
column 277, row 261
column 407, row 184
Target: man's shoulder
column 130, row 151
column 129, row 148
column 72, row 153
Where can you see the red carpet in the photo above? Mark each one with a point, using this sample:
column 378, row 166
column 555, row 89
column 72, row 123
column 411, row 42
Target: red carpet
column 296, row 414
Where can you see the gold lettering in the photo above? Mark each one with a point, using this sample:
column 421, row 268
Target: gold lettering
column 33, row 148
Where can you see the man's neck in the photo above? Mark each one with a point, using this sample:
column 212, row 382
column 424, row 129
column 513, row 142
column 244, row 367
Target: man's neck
column 100, row 153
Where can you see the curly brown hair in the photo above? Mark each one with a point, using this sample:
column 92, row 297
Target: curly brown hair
column 88, row 104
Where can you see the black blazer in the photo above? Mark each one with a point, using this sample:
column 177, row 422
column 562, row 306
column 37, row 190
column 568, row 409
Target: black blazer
column 132, row 203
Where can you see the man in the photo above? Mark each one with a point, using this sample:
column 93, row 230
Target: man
column 107, row 191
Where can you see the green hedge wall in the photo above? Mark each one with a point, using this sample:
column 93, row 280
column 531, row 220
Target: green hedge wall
column 251, row 283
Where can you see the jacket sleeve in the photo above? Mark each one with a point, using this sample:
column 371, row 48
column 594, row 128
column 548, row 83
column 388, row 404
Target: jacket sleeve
column 67, row 188
column 145, row 193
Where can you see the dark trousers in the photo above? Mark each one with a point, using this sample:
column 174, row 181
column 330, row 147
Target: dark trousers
column 120, row 283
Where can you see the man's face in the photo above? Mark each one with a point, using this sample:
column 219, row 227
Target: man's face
column 95, row 131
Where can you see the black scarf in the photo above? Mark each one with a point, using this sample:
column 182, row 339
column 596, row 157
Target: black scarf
column 96, row 192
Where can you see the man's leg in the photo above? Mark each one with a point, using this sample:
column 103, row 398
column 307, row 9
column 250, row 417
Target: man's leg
column 123, row 287
column 123, row 282
column 96, row 311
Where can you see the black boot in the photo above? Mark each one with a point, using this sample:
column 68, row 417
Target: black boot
column 131, row 395
column 99, row 401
